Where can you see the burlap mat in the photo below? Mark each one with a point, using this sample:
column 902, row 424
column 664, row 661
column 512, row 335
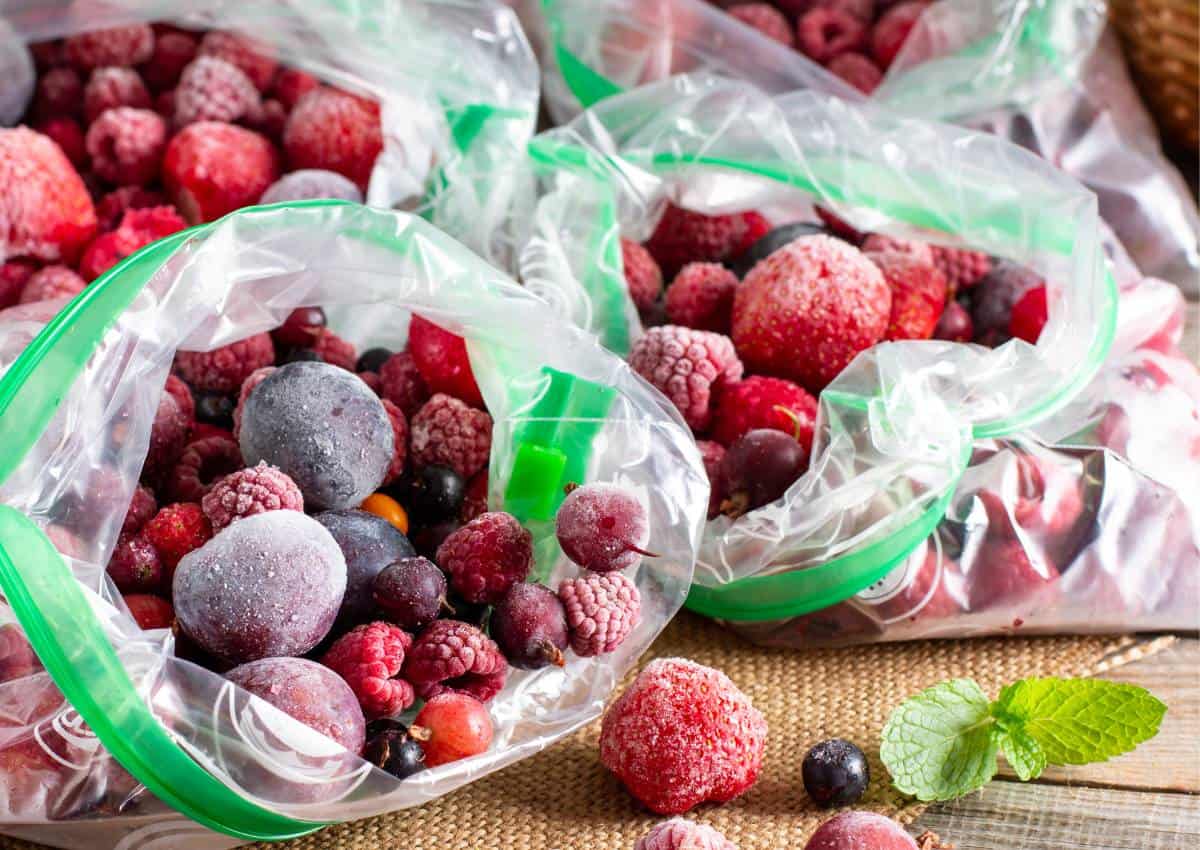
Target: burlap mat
column 563, row 799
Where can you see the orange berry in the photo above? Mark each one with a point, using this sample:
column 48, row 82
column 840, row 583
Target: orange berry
column 387, row 508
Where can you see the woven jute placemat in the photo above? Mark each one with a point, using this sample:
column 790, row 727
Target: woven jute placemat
column 562, row 799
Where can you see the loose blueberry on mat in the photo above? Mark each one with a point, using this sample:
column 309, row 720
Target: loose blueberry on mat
column 410, row 592
column 772, row 242
column 372, row 360
column 835, row 773
column 390, row 747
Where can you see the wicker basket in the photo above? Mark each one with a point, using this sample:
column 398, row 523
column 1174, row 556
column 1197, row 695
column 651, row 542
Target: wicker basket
column 1162, row 43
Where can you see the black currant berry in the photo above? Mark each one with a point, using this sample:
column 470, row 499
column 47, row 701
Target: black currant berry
column 835, row 773
column 372, row 360
column 390, row 747
column 215, row 409
column 435, row 493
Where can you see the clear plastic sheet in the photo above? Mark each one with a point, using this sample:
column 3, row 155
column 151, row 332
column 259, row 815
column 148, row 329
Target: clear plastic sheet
column 371, row 269
column 1041, row 73
column 16, row 69
column 895, row 429
column 456, row 80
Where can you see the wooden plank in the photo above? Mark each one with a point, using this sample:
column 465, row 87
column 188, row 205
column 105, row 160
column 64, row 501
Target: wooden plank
column 1052, row 817
column 1171, row 760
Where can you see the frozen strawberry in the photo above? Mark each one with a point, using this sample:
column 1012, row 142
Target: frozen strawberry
column 291, row 84
column 59, row 94
column 116, row 47
column 336, row 131
column 46, row 212
column 126, row 145
column 111, row 208
column 52, row 282
column 1029, row 315
column 212, row 89
column 892, row 29
column 762, row 402
column 824, row 33
column 683, row 236
column 642, row 275
column 808, row 309
column 441, row 358
column 138, row 228
column 686, row 366
column 211, row 169
column 254, row 58
column 857, row 70
column 766, row 19
column 109, row 88
column 172, row 53
column 918, row 295
column 701, row 297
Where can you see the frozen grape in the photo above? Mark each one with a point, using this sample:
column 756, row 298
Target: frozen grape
column 324, row 428
column 530, row 627
column 835, row 773
column 411, row 592
column 268, row 585
column 452, row 726
column 308, row 692
column 602, row 528
column 759, row 467
column 369, row 543
column 860, row 830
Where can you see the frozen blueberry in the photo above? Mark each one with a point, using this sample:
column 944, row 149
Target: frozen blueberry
column 324, row 428
column 434, row 494
column 835, row 773
column 372, row 360
column 369, row 544
column 215, row 409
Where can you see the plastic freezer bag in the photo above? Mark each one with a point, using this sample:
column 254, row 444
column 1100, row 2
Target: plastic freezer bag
column 456, row 81
column 895, row 430
column 75, row 414
column 1041, row 73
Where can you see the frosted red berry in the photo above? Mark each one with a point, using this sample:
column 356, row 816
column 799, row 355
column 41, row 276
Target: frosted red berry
column 453, row 727
column 602, row 528
column 411, row 592
column 253, row 57
column 530, row 627
column 857, row 70
column 441, row 358
column 250, row 491
column 963, row 269
column 212, row 89
column 486, row 557
column 683, row 734
column 335, row 350
column 701, row 297
column 68, row 135
column 173, row 51
column 712, row 453
column 954, row 324
column 400, row 382
column 168, row 436
column 150, row 612
column 138, row 228
column 59, row 93
column 110, row 209
column 291, row 84
column 860, row 829
column 51, row 282
column 211, row 169
column 14, row 274
column 135, row 566
column 680, row 834
column 766, row 19
column 455, row 657
column 369, row 658
column 309, row 184
column 918, row 295
column 177, row 530
column 109, row 88
column 684, row 236
column 892, row 30
column 399, row 441
column 224, row 369
column 336, row 131
column 758, row 468
column 839, row 227
column 824, row 33
column 882, row 243
column 126, row 145
column 447, row 432
column 762, row 402
column 118, row 46
column 643, row 278
column 142, row 506
column 1029, row 315
column 993, row 298
column 687, row 366
column 602, row 610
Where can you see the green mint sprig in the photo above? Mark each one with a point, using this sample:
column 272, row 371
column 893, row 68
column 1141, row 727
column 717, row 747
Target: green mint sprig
column 943, row 742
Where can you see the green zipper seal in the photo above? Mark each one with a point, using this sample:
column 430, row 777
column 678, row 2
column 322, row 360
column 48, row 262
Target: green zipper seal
column 52, row 608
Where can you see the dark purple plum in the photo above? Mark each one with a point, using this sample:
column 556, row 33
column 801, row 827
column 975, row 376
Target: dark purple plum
column 369, row 543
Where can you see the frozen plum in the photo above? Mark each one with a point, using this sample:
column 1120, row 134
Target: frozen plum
column 308, row 692
column 269, row 585
column 369, row 543
column 324, row 428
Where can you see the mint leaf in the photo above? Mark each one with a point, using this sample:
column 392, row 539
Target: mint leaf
column 1023, row 752
column 941, row 743
column 1079, row 721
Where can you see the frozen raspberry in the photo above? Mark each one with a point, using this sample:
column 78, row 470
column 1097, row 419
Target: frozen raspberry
column 762, row 402
column 643, row 277
column 150, row 612
column 126, row 145
column 839, row 227
column 45, row 210
column 808, row 309
column 486, row 557
column 308, row 692
column 138, row 228
column 13, row 276
column 254, row 58
column 701, row 297
column 250, row 491
column 963, row 269
column 455, row 657
column 173, row 51
column 442, row 360
column 683, row 734
column 687, row 366
column 111, row 208
column 333, row 130
column 212, row 89
column 168, row 436
column 712, row 454
column 1003, row 574
column 141, row 508
column 824, row 33
column 860, row 829
column 109, row 88
column 176, row 530
column 17, row 658
column 602, row 527
column 369, row 658
column 892, row 29
column 291, row 84
column 1029, row 315
column 400, row 382
column 857, row 70
column 680, row 834
column 955, row 324
column 683, row 237
column 993, row 298
column 335, row 350
column 881, row 243
column 52, row 282
column 205, row 460
column 68, row 135
column 135, row 566
column 602, row 609
column 183, row 395
column 309, row 184
column 118, row 46
column 918, row 295
column 766, row 19
column 59, row 93
column 475, row 500
column 399, row 441
column 226, row 368
column 211, row 169
column 446, row 432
